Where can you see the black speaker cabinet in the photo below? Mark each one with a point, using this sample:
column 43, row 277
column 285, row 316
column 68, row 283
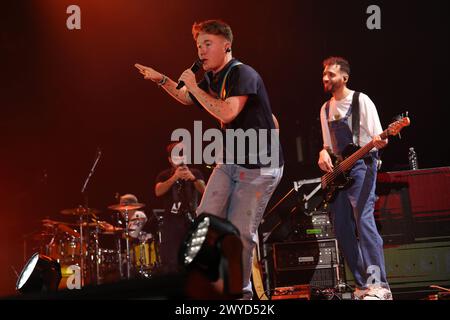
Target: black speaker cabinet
column 316, row 263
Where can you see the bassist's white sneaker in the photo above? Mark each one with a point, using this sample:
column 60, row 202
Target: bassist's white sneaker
column 359, row 294
column 378, row 293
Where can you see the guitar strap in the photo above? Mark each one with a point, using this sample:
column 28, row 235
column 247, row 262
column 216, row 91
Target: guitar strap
column 222, row 91
column 355, row 118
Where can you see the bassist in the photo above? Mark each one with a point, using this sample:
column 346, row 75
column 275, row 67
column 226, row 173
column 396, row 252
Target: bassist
column 351, row 118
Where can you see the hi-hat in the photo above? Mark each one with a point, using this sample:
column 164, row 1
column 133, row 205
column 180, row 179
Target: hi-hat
column 80, row 211
column 126, row 207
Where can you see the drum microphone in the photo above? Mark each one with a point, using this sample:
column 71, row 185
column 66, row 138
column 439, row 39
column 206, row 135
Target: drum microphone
column 197, row 64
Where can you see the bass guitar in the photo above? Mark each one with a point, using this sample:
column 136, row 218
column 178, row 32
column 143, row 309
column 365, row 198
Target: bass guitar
column 338, row 179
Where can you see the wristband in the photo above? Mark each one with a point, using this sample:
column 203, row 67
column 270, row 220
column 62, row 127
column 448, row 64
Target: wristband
column 162, row 81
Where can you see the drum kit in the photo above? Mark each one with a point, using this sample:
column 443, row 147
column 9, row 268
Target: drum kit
column 95, row 246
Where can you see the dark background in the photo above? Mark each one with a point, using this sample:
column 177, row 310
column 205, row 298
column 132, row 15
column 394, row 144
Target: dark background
column 64, row 93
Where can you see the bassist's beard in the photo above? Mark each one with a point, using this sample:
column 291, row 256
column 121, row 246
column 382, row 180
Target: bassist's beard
column 332, row 87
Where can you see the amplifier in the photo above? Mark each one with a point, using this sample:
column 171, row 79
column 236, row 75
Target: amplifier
column 305, row 254
column 315, row 263
column 320, row 278
column 315, row 227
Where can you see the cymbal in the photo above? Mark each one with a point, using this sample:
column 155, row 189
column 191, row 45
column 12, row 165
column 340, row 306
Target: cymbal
column 114, row 231
column 85, row 224
column 126, row 207
column 42, row 236
column 107, row 228
column 68, row 230
column 89, row 224
column 49, row 222
column 53, row 223
column 80, row 211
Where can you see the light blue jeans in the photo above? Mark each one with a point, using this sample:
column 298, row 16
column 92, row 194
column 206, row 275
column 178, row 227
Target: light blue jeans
column 240, row 195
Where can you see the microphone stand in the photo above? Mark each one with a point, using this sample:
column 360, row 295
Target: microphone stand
column 86, row 203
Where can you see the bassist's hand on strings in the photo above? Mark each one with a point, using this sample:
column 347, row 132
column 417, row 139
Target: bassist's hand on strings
column 378, row 143
column 325, row 162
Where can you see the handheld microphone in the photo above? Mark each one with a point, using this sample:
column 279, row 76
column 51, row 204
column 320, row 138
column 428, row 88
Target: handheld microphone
column 197, row 64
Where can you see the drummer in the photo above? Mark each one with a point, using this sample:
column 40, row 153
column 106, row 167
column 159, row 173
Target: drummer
column 136, row 218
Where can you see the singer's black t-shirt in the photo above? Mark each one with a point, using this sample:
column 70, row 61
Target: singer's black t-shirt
column 243, row 80
column 182, row 196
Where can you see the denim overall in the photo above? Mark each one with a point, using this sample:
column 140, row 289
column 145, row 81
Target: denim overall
column 352, row 212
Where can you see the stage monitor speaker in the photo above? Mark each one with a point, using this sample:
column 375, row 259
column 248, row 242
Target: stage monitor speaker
column 413, row 206
column 418, row 265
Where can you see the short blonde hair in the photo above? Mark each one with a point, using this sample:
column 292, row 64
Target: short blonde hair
column 217, row 27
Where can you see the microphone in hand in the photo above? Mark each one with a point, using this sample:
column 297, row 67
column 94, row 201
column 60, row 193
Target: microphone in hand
column 195, row 67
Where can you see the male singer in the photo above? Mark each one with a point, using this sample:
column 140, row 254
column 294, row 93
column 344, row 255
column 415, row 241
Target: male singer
column 234, row 94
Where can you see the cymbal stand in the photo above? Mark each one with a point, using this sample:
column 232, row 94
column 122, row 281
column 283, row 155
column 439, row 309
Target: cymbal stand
column 84, row 193
column 127, row 243
column 119, row 247
column 97, row 254
column 81, row 252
